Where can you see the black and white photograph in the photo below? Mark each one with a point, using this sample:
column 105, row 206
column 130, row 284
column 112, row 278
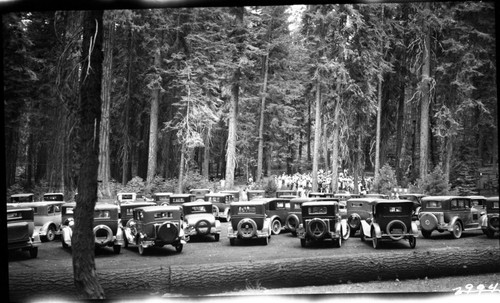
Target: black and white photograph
column 237, row 151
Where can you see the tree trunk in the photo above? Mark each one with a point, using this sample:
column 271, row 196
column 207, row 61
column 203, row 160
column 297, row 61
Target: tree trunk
column 400, row 125
column 126, row 113
column 85, row 275
column 317, row 136
column 206, row 158
column 181, row 169
column 260, row 151
column 233, row 114
column 324, row 138
column 379, row 122
column 336, row 143
column 153, row 126
column 425, row 102
column 104, row 173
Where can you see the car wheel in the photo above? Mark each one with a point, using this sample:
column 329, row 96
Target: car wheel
column 265, row 240
column 64, row 245
column 117, row 249
column 413, row 241
column 179, row 247
column 425, row 233
column 232, row 241
column 362, row 234
column 294, row 233
column 276, row 227
column 375, row 241
column 303, row 242
column 337, row 242
column 217, row 237
column 456, row 233
column 33, row 252
column 51, row 234
column 352, row 232
column 125, row 242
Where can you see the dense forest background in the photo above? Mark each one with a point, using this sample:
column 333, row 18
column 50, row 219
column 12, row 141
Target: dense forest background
column 231, row 92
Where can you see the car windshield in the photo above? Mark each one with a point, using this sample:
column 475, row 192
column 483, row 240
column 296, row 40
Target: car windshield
column 317, row 210
column 178, row 200
column 52, row 198
column 102, row 214
column 198, row 209
column 433, row 204
column 162, row 198
column 395, row 209
column 213, row 199
column 68, row 210
column 249, row 209
column 127, row 197
column 163, row 214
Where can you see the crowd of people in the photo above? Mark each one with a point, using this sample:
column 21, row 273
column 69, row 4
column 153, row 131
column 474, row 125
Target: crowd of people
column 302, row 182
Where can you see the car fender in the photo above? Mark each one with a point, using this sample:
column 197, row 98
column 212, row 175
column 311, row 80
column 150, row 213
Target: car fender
column 217, row 226
column 119, row 238
column 267, row 225
column 45, row 227
column 343, row 224
column 338, row 229
column 452, row 222
column 378, row 232
column 366, row 228
column 276, row 217
column 414, row 228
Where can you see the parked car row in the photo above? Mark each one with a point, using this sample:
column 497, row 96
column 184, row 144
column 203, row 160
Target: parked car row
column 173, row 221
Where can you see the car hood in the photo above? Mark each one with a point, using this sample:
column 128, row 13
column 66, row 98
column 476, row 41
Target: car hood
column 193, row 218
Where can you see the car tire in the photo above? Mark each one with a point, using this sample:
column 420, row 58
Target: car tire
column 33, row 252
column 247, row 234
column 217, row 237
column 276, row 227
column 391, row 224
column 456, row 232
column 362, row 234
column 375, row 241
column 50, row 236
column 265, row 240
column 303, row 242
column 294, row 233
column 232, row 241
column 206, row 226
column 428, row 221
column 178, row 248
column 413, row 241
column 337, row 242
column 117, row 249
column 320, row 226
column 109, row 233
column 426, row 233
column 292, row 222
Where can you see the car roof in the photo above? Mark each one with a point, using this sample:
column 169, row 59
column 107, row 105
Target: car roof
column 247, row 203
column 53, row 194
column 181, row 195
column 163, row 194
column 104, row 206
column 199, row 189
column 410, row 194
column 320, row 203
column 256, row 190
column 492, row 198
column 387, row 201
column 22, row 195
column 442, row 198
column 138, row 203
column 38, row 203
column 367, row 199
column 219, row 194
column 476, row 197
column 14, row 209
column 197, row 203
column 159, row 208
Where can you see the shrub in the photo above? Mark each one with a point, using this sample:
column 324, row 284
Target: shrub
column 433, row 184
column 385, row 180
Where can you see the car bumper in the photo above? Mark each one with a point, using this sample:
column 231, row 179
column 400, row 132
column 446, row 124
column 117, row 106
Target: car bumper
column 231, row 234
column 213, row 231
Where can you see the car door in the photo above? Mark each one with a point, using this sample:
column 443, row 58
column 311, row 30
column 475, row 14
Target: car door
column 473, row 215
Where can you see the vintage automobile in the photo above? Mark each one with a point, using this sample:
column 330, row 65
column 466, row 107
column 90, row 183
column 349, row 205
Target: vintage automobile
column 454, row 214
column 126, row 210
column 47, row 218
column 21, row 232
column 201, row 220
column 220, row 202
column 235, row 193
column 478, row 202
column 249, row 221
column 320, row 195
column 17, row 198
column 156, row 226
column 256, row 194
column 277, row 211
column 294, row 217
column 107, row 226
column 199, row 193
column 417, row 202
column 389, row 220
column 490, row 223
column 53, row 197
column 287, row 192
column 125, row 197
column 358, row 209
column 179, row 199
column 162, row 198
column 321, row 221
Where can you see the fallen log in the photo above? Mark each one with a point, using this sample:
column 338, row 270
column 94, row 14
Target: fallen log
column 206, row 279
